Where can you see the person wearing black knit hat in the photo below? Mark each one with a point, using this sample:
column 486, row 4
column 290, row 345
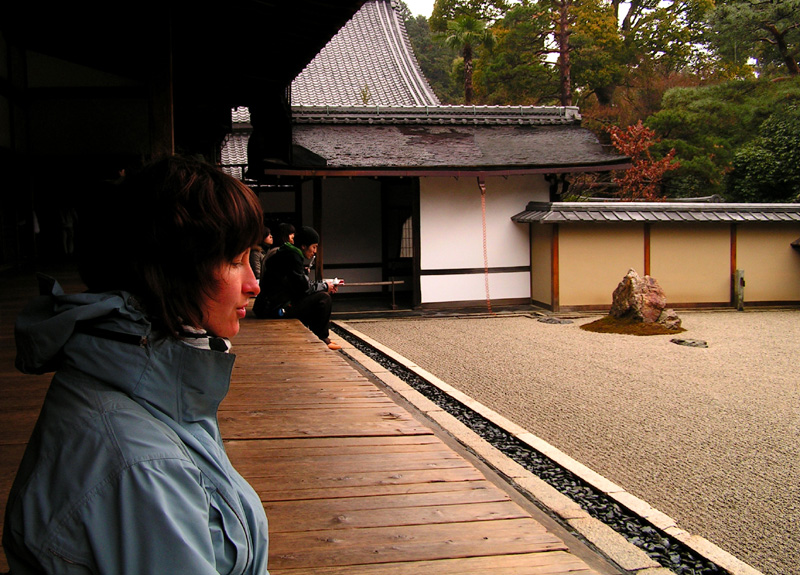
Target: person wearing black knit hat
column 287, row 291
column 307, row 236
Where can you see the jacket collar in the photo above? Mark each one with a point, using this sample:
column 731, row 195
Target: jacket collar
column 293, row 249
column 108, row 338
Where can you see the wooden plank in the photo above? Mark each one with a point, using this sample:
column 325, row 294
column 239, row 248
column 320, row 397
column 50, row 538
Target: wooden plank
column 266, row 451
column 297, row 374
column 305, row 466
column 549, row 563
column 410, row 543
column 363, row 484
column 302, row 402
column 400, row 500
column 319, row 515
column 300, row 374
column 23, row 391
column 18, row 426
column 279, row 423
column 10, row 458
column 373, row 490
column 305, row 396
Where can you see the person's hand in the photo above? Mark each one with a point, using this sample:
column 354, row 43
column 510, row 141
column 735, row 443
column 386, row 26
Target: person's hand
column 332, row 288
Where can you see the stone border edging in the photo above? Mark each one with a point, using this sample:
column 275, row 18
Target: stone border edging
column 608, row 541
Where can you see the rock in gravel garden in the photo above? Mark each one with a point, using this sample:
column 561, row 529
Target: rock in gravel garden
column 642, row 299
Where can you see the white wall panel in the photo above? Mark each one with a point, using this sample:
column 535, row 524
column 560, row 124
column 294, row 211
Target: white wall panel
column 451, row 224
column 472, row 287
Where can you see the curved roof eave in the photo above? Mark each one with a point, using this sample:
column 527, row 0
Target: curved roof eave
column 444, row 171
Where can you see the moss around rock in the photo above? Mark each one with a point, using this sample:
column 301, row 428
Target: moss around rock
column 628, row 326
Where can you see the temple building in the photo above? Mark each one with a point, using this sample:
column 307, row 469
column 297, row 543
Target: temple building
column 402, row 187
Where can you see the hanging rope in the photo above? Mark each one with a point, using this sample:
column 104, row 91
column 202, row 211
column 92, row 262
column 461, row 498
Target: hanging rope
column 482, row 186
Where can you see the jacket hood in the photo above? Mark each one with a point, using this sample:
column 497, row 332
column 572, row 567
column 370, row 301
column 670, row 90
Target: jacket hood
column 105, row 338
column 49, row 320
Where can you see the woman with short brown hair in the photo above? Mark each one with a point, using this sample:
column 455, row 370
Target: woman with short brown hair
column 126, row 471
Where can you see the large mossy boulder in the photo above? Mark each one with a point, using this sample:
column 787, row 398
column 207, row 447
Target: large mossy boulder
column 642, row 299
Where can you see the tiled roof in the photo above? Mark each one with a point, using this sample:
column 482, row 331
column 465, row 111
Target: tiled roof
column 370, row 59
column 437, row 115
column 240, row 115
column 453, row 147
column 403, row 126
column 442, row 146
column 234, row 150
column 604, row 212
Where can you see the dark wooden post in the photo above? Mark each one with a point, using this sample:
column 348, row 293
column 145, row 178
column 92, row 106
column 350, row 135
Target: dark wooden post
column 162, row 112
column 317, row 219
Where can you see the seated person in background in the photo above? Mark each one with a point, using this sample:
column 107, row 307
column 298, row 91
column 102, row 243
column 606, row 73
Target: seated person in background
column 259, row 253
column 286, row 233
column 287, row 291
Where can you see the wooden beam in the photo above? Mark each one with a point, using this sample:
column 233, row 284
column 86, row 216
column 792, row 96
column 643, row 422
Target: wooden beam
column 162, row 100
column 734, row 262
column 317, row 219
column 554, row 280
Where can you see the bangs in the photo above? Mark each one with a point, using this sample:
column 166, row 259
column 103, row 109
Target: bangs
column 245, row 226
column 218, row 218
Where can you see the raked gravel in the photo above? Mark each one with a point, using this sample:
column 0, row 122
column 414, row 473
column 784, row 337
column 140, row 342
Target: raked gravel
column 709, row 436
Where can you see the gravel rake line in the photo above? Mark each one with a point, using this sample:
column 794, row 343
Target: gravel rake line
column 659, row 546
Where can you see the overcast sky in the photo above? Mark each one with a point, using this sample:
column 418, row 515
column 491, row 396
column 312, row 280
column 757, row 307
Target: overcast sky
column 420, row 7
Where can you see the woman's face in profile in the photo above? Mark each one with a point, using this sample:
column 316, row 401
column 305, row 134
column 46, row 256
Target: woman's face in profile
column 235, row 285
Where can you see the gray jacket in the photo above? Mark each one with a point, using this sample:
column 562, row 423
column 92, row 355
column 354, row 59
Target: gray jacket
column 126, row 471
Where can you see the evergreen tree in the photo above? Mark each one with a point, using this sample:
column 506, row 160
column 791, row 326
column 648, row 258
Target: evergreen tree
column 466, row 34
column 766, row 31
column 767, row 169
column 515, row 71
column 708, row 125
column 445, row 11
column 435, row 59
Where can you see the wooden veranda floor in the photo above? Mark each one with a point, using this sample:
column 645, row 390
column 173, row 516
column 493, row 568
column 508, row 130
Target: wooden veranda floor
column 352, row 482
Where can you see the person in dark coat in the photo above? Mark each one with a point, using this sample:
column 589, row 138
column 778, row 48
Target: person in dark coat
column 288, row 292
column 286, row 233
column 259, row 253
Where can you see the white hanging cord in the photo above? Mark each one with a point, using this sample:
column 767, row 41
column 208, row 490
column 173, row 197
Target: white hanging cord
column 482, row 186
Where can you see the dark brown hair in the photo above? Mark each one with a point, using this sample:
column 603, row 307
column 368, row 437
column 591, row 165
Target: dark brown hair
column 162, row 234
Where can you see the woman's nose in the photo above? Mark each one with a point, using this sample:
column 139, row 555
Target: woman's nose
column 250, row 285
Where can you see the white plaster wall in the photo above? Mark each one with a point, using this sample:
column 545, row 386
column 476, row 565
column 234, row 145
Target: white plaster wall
column 472, row 287
column 452, row 235
column 450, row 221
